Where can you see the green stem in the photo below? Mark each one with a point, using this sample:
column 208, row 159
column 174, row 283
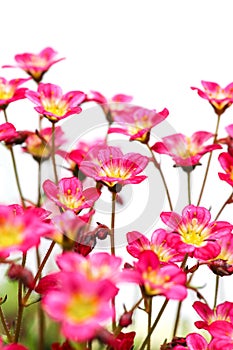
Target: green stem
column 223, row 207
column 20, row 305
column 154, row 324
column 216, row 291
column 5, row 326
column 157, row 166
column 209, row 161
column 53, row 154
column 189, row 187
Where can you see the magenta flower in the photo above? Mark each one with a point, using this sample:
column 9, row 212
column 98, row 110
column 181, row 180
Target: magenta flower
column 9, row 91
column 137, row 122
column 36, row 65
column 20, row 231
column 53, row 104
column 69, row 194
column 228, row 140
column 101, row 99
column 138, row 243
column 223, row 311
column 82, row 149
column 168, row 280
column 80, row 306
column 226, row 161
column 195, row 341
column 193, row 233
column 7, row 131
column 39, row 144
column 12, row 346
column 185, row 151
column 219, row 98
column 222, row 265
column 109, row 165
column 222, row 333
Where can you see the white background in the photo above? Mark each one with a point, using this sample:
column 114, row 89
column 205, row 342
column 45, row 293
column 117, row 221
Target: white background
column 152, row 50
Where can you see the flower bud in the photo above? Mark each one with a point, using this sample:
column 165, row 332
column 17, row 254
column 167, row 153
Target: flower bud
column 20, row 273
column 126, row 319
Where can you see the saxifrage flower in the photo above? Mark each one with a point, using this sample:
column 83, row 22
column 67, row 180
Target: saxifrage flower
column 226, row 162
column 193, row 233
column 52, row 104
column 10, row 91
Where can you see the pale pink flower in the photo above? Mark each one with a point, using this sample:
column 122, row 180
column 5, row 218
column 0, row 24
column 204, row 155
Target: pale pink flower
column 137, row 122
column 220, row 98
column 80, row 306
column 52, row 104
column 138, row 243
column 36, row 65
column 69, row 194
column 186, row 151
column 110, row 166
column 193, row 233
column 10, row 91
column 226, row 161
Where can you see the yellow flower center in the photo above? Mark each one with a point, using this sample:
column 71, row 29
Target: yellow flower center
column 69, row 200
column 193, row 233
column 10, row 235
column 152, row 277
column 6, row 92
column 55, row 106
column 81, row 307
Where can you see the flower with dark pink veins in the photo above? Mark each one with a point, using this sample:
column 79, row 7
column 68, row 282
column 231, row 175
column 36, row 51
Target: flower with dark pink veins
column 220, row 98
column 193, row 233
column 226, row 162
column 69, row 194
column 138, row 243
column 80, row 306
column 137, row 122
column 110, row 166
column 168, row 280
column 36, row 65
column 52, row 104
column 10, row 91
column 186, row 151
column 223, row 311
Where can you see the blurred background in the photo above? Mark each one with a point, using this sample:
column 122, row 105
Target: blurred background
column 153, row 50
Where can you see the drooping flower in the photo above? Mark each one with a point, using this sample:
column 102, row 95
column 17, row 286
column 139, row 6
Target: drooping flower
column 220, row 98
column 228, row 140
column 138, row 243
column 137, row 122
column 110, row 166
column 69, row 194
column 7, row 131
column 226, row 161
column 36, row 65
column 10, row 91
column 186, row 151
column 52, row 104
column 223, row 311
column 20, row 231
column 193, row 233
column 39, row 144
column 168, row 280
column 80, row 306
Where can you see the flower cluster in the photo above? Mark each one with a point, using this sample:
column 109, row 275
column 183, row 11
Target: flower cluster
column 81, row 295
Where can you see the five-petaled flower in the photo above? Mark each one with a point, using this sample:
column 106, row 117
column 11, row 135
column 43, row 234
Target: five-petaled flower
column 10, row 91
column 52, row 104
column 220, row 98
column 192, row 232
column 137, row 122
column 69, row 194
column 186, row 151
column 110, row 166
column 36, row 65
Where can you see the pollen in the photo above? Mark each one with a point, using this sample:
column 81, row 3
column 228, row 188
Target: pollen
column 81, row 307
column 10, row 235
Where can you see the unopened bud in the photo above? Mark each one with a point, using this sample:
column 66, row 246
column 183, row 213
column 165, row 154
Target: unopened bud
column 20, row 273
column 126, row 319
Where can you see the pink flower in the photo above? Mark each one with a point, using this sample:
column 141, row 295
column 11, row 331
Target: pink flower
column 137, row 122
column 195, row 341
column 185, row 151
column 219, row 98
column 11, row 346
column 101, row 99
column 81, row 306
column 69, row 194
column 7, row 131
column 9, row 91
column 223, row 311
column 36, row 65
column 39, row 144
column 193, row 233
column 20, row 231
column 82, row 149
column 109, row 165
column 168, row 280
column 53, row 104
column 138, row 243
column 228, row 140
column 222, row 333
column 226, row 161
